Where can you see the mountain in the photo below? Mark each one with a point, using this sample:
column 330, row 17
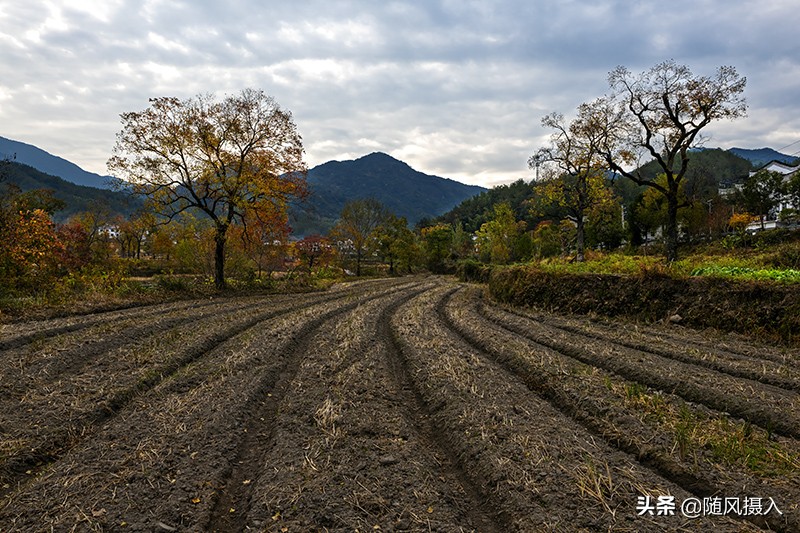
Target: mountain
column 77, row 198
column 708, row 169
column 760, row 157
column 403, row 190
column 49, row 164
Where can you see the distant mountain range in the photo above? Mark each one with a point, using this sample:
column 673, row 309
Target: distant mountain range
column 403, row 190
column 42, row 161
column 762, row 156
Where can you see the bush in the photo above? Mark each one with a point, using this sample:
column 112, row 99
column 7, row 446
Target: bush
column 787, row 256
column 170, row 282
column 475, row 271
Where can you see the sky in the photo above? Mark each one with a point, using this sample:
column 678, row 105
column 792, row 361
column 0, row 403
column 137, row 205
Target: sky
column 455, row 88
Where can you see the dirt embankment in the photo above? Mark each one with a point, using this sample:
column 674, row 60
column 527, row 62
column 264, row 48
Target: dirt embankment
column 754, row 308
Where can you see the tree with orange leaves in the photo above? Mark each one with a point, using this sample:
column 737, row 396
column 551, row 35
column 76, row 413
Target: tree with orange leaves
column 228, row 159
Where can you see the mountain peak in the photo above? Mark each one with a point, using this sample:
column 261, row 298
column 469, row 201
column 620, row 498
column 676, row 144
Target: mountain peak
column 404, row 191
column 379, row 156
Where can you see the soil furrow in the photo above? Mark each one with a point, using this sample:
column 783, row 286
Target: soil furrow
column 52, row 357
column 191, row 422
column 359, row 464
column 726, row 345
column 484, row 515
column 385, row 405
column 16, row 335
column 774, row 409
column 258, row 438
column 540, row 467
column 42, row 331
column 767, row 371
column 587, row 397
column 24, row 464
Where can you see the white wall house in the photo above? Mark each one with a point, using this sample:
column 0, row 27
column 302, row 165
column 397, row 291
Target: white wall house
column 782, row 168
column 788, row 171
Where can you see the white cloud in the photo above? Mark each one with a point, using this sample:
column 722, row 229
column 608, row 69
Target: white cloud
column 453, row 88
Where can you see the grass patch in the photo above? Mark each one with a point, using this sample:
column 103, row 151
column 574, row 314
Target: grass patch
column 778, row 263
column 721, row 440
column 749, row 274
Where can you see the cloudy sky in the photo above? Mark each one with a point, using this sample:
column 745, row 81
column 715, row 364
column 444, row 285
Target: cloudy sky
column 455, row 88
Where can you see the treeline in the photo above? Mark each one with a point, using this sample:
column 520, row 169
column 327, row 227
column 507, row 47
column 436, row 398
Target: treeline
column 720, row 197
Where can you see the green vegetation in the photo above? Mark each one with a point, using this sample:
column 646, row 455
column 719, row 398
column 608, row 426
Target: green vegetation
column 744, row 273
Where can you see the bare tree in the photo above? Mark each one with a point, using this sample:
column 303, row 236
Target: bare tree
column 659, row 115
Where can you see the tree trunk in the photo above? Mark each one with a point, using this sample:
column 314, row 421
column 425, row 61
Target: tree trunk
column 219, row 256
column 671, row 234
column 580, row 239
column 358, row 263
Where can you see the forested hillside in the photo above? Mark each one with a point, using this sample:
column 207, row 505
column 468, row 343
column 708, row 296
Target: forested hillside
column 77, row 198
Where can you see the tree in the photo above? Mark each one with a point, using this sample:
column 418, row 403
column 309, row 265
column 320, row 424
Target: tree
column 358, row 224
column 793, row 190
column 5, row 166
column 396, row 242
column 761, row 192
column 496, row 238
column 660, row 114
column 437, row 240
column 229, row 159
column 94, row 223
column 314, row 250
column 576, row 181
column 132, row 232
column 30, row 248
column 266, row 241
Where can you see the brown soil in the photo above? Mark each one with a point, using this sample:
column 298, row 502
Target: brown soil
column 412, row 404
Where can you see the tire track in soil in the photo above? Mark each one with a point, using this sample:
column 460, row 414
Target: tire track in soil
column 259, row 436
column 15, row 471
column 768, row 374
column 773, row 419
column 417, row 413
column 661, row 466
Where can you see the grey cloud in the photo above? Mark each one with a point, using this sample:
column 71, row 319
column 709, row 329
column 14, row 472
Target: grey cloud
column 452, row 87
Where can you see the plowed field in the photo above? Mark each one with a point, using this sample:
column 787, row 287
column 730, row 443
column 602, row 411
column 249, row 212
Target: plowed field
column 411, row 404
